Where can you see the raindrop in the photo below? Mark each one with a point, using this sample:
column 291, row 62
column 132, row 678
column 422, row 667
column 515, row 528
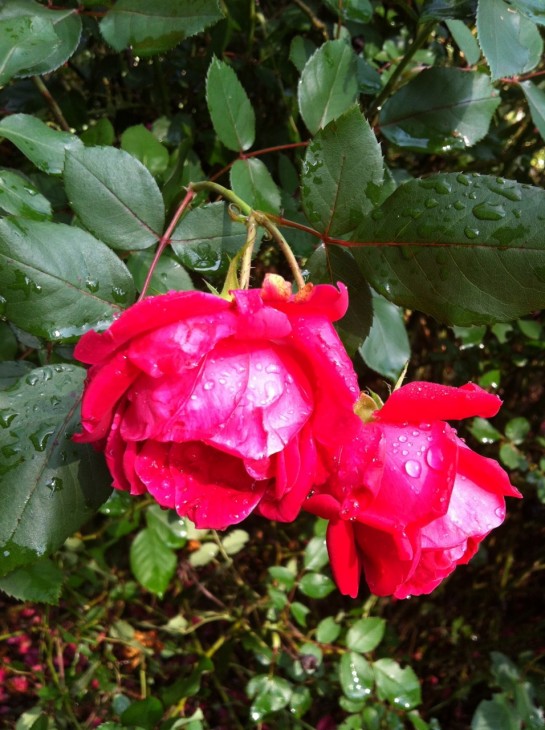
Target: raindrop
column 208, row 385
column 435, row 458
column 471, row 233
column 413, row 468
column 489, row 212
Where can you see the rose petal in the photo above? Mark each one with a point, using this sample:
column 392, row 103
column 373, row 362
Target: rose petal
column 149, row 314
column 421, row 402
column 344, row 557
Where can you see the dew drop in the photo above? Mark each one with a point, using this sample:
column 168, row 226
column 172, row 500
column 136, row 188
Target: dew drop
column 413, row 468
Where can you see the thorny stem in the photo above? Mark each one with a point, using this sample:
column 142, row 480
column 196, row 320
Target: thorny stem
column 52, row 104
column 165, row 240
column 421, row 37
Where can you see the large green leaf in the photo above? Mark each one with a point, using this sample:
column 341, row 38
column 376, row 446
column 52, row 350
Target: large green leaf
column 510, row 41
column 356, row 11
column 386, row 349
column 328, row 84
column 152, row 562
column 58, row 281
column 468, row 249
column 447, row 9
column 22, row 43
column 230, row 109
column 115, row 197
column 341, row 170
column 153, row 27
column 536, row 101
column 465, row 40
column 441, row 110
column 356, row 676
column 168, row 275
column 396, row 685
column 64, row 24
column 252, row 181
column 534, row 9
column 142, row 144
column 39, row 583
column 43, row 146
column 49, row 485
column 333, row 264
column 19, row 197
column 207, row 238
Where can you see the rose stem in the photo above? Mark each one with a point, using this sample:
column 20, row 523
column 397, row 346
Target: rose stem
column 165, row 240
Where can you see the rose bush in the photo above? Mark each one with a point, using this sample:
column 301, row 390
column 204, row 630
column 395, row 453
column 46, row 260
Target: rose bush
column 220, row 407
column 409, row 500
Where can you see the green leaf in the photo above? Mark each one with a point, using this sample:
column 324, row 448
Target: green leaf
column 22, row 43
column 386, row 349
column 331, row 264
column 516, row 429
column 142, row 144
column 12, row 371
column 316, row 585
column 483, row 431
column 327, row 631
column 510, row 41
column 39, row 583
column 234, row 541
column 299, row 612
column 398, row 686
column 269, row 694
column 168, row 526
column 230, row 109
column 495, row 714
column 49, row 485
column 152, row 562
column 206, row 239
column 365, row 635
column 439, row 111
column 465, row 40
column 168, row 275
column 301, row 49
column 356, row 676
column 315, row 554
column 467, row 249
column 536, row 101
column 328, row 86
column 355, row 11
column 252, row 181
column 101, row 133
column 115, row 197
column 534, row 9
column 203, row 555
column 530, row 328
column 59, row 281
column 43, row 146
column 55, row 49
column 446, row 9
column 19, row 197
column 8, row 343
column 155, row 27
column 511, row 457
column 143, row 713
column 342, row 165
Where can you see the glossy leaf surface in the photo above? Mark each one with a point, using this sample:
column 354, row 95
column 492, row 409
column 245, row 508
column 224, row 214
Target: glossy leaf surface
column 467, row 249
column 49, row 485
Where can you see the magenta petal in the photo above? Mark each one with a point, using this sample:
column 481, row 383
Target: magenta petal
column 208, row 486
column 421, row 402
column 323, row 505
column 344, row 557
column 149, row 314
column 106, row 385
column 388, row 559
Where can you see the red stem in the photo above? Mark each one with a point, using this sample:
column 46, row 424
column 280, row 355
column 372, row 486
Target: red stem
column 257, row 153
column 165, row 240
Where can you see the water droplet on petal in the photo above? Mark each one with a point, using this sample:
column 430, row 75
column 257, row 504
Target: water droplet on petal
column 413, row 468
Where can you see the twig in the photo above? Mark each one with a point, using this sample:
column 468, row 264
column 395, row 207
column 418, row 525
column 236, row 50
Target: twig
column 52, row 104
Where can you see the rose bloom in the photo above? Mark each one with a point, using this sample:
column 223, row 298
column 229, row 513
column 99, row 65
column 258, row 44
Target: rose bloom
column 410, row 501
column 219, row 407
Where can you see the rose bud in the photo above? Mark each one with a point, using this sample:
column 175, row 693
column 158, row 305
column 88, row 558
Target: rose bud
column 410, row 500
column 218, row 407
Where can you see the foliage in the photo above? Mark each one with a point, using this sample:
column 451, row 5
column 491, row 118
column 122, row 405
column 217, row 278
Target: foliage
column 398, row 147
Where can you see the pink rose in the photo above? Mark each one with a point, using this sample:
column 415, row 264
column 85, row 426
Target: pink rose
column 410, row 501
column 217, row 407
